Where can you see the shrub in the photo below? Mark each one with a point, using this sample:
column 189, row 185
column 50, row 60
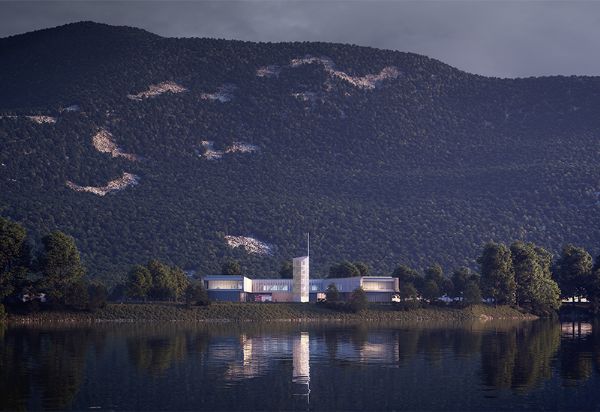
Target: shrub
column 332, row 294
column 358, row 300
column 76, row 296
column 196, row 294
column 2, row 313
column 472, row 294
column 97, row 297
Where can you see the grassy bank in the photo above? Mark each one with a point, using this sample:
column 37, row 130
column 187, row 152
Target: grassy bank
column 287, row 312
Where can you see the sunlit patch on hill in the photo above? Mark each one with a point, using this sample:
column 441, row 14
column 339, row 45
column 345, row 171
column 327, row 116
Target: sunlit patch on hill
column 39, row 119
column 42, row 119
column 210, row 153
column 158, row 89
column 366, row 82
column 268, row 71
column 126, row 180
column 250, row 245
column 104, row 143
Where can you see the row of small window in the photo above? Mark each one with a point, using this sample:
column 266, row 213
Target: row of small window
column 274, row 288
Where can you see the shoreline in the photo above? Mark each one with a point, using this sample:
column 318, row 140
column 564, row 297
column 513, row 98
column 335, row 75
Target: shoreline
column 261, row 312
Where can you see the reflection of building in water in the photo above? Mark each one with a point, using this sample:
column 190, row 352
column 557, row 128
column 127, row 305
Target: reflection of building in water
column 575, row 329
column 301, row 361
column 376, row 349
column 255, row 356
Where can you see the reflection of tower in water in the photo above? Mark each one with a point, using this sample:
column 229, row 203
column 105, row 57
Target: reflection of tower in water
column 301, row 363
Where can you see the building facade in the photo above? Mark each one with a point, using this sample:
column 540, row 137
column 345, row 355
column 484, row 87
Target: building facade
column 243, row 289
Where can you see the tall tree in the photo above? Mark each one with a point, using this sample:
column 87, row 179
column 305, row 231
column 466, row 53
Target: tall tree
column 431, row 291
column 593, row 290
column 435, row 274
column 536, row 290
column 472, row 293
column 460, row 278
column 572, row 271
column 406, row 274
column 14, row 256
column 363, row 268
column 163, row 284
column 60, row 264
column 497, row 274
column 408, row 294
column 139, row 283
column 180, row 281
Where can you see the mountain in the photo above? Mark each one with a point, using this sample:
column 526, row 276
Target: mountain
column 141, row 146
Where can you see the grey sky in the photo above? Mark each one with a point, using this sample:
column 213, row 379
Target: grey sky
column 507, row 39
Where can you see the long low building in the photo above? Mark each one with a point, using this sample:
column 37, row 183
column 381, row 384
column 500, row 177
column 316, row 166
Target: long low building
column 243, row 289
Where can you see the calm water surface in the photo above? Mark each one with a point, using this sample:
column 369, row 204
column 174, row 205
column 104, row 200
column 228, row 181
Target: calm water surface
column 149, row 366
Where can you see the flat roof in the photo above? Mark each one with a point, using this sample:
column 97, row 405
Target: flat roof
column 241, row 277
column 225, row 277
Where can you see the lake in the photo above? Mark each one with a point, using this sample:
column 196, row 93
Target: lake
column 155, row 366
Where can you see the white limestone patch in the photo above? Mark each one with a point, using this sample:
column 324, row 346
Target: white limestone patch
column 42, row 119
column 250, row 245
column 39, row 119
column 209, row 150
column 367, row 82
column 126, row 180
column 210, row 153
column 241, row 147
column 158, row 89
column 104, row 143
column 223, row 94
column 268, row 71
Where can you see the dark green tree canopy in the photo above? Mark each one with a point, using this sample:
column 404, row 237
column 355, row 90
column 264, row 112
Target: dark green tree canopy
column 60, row 265
column 460, row 278
column 536, row 290
column 343, row 269
column 331, row 293
column 358, row 300
column 572, row 270
column 231, row 267
column 363, row 268
column 497, row 273
column 14, row 256
column 139, row 283
column 287, row 270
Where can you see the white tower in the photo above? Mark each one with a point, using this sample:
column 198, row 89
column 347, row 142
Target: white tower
column 301, row 277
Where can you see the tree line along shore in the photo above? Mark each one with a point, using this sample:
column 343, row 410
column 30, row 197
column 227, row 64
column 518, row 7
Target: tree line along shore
column 48, row 281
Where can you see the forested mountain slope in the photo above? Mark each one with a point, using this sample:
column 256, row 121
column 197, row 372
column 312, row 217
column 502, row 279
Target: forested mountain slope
column 141, row 146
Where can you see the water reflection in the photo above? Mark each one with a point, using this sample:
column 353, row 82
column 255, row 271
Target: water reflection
column 301, row 365
column 178, row 366
column 49, row 364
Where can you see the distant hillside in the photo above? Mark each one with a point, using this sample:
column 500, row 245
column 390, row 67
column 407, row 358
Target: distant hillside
column 200, row 150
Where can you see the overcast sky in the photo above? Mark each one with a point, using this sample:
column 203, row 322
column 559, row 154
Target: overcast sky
column 506, row 39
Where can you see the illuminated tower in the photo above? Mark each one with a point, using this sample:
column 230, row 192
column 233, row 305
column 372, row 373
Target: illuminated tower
column 300, row 285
